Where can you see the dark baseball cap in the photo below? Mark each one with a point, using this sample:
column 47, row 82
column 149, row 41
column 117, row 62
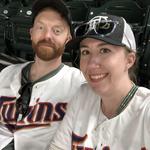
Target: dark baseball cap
column 108, row 28
column 58, row 5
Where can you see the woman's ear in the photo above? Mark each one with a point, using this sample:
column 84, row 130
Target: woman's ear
column 131, row 59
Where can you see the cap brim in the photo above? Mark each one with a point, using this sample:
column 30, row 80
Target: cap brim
column 75, row 43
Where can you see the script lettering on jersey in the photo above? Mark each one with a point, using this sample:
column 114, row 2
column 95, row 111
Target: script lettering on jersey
column 41, row 114
column 78, row 141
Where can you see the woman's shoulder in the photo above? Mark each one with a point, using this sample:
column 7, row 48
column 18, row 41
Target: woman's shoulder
column 143, row 92
column 85, row 95
column 141, row 100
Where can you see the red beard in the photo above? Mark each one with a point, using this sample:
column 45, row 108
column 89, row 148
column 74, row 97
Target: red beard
column 47, row 50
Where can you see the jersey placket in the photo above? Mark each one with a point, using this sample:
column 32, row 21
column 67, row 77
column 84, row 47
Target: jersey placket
column 103, row 135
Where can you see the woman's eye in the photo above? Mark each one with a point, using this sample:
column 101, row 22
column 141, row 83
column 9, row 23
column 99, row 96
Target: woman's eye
column 84, row 52
column 104, row 50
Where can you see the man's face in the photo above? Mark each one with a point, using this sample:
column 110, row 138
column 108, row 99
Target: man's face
column 49, row 35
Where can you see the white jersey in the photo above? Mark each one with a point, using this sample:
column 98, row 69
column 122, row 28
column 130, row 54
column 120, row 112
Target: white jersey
column 47, row 107
column 85, row 127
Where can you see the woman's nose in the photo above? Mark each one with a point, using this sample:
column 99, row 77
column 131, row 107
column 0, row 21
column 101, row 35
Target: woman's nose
column 94, row 61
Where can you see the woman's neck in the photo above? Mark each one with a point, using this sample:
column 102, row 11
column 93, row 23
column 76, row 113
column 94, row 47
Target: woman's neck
column 112, row 101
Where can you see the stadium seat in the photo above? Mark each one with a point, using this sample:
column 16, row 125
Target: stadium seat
column 6, row 60
column 20, row 38
column 8, row 10
column 3, row 25
column 144, row 62
column 144, row 3
column 78, row 10
column 11, row 8
column 128, row 9
column 27, row 2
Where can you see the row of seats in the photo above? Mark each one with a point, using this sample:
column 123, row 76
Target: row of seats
column 144, row 59
column 15, row 22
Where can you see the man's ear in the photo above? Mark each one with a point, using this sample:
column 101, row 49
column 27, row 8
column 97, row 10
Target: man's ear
column 69, row 37
column 30, row 31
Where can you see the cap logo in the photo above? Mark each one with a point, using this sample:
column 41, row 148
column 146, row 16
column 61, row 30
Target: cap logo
column 99, row 21
column 101, row 25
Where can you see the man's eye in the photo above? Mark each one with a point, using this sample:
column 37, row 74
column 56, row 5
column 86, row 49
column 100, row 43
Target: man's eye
column 57, row 31
column 41, row 28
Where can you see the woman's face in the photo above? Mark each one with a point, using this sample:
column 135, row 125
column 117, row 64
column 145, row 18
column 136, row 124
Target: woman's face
column 104, row 65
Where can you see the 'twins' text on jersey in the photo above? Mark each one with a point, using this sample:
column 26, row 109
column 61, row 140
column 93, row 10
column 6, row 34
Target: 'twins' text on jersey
column 41, row 114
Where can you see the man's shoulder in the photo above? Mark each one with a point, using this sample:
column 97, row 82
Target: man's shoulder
column 71, row 68
column 14, row 67
column 73, row 73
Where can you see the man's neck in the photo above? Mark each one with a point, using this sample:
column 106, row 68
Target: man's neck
column 40, row 68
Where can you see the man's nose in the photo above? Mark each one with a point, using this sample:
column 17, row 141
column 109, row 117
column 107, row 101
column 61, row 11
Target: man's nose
column 48, row 34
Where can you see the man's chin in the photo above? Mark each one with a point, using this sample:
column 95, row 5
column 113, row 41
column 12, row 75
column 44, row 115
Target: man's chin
column 47, row 53
column 48, row 57
column 45, row 48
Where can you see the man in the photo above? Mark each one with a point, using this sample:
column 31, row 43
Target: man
column 34, row 95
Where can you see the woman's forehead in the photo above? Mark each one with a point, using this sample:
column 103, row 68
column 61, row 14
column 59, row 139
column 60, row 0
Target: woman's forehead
column 92, row 41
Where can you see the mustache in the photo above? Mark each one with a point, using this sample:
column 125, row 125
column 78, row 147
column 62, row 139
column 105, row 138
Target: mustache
column 47, row 43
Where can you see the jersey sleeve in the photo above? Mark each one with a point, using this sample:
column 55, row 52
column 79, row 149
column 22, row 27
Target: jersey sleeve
column 63, row 137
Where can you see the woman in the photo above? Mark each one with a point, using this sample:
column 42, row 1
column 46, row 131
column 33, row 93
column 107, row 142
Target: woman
column 110, row 112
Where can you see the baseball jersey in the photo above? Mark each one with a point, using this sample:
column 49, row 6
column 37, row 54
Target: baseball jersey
column 85, row 127
column 47, row 107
